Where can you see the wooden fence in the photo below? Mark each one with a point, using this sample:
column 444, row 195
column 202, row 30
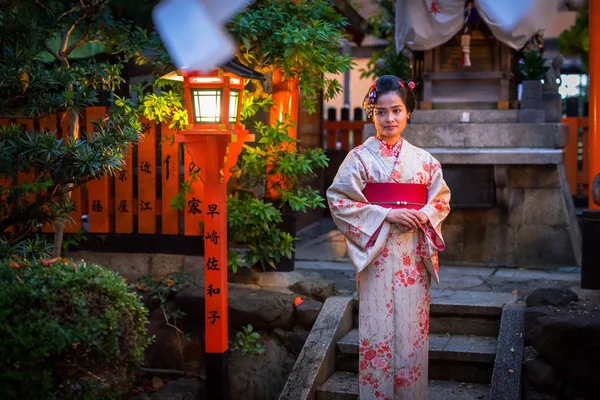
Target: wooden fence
column 137, row 199
column 343, row 134
column 577, row 161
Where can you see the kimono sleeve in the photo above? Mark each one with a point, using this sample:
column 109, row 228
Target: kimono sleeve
column 437, row 207
column 358, row 220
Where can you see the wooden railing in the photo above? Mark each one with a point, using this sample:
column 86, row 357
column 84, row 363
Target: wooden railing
column 137, row 199
column 577, row 161
column 343, row 134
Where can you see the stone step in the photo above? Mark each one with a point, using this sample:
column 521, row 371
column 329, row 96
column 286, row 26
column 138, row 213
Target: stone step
column 474, row 116
column 464, row 312
column 460, row 357
column 344, row 386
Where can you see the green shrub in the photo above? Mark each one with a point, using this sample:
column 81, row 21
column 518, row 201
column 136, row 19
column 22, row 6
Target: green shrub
column 67, row 331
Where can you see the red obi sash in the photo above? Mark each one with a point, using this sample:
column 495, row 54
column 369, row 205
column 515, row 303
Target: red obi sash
column 397, row 195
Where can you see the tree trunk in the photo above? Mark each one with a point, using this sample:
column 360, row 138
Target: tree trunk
column 59, row 227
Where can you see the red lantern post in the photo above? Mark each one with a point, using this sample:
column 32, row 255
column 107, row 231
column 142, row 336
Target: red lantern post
column 214, row 139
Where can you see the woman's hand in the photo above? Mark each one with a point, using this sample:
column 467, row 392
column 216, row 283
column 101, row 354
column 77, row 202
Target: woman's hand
column 409, row 219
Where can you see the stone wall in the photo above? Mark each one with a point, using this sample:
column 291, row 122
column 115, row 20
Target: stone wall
column 533, row 230
column 513, row 206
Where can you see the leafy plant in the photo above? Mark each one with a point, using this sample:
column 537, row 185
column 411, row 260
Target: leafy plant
column 247, row 341
column 532, row 66
column 30, row 248
column 74, row 239
column 46, row 67
column 575, row 41
column 387, row 61
column 274, row 168
column 300, row 37
column 162, row 290
column 69, row 331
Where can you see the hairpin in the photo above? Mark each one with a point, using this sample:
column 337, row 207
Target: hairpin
column 374, row 85
column 400, row 83
column 411, row 85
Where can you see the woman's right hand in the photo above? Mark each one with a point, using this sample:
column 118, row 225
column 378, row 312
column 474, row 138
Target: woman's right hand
column 407, row 218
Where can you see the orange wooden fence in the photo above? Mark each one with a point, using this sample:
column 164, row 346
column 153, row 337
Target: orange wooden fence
column 343, row 134
column 577, row 161
column 137, row 199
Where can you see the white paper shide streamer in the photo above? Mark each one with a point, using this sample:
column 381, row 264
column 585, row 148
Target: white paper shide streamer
column 193, row 33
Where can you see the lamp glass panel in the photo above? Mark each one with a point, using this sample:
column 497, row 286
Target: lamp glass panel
column 234, row 99
column 207, row 106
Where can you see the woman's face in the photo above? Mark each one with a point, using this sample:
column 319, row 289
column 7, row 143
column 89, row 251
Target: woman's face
column 390, row 116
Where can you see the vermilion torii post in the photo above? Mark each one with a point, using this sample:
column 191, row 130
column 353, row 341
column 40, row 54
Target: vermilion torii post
column 214, row 140
column 594, row 96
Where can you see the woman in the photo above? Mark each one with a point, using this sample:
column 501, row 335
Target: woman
column 394, row 250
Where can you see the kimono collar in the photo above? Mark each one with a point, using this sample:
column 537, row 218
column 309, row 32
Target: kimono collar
column 390, row 149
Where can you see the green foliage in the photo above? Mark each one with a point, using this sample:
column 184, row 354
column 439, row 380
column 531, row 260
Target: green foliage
column 247, row 341
column 300, row 37
column 69, row 331
column 253, row 217
column 575, row 41
column 65, row 165
column 41, row 74
column 74, row 239
column 387, row 61
column 532, row 66
column 162, row 290
column 30, row 248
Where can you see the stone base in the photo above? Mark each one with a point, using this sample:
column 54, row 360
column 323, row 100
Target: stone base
column 537, row 228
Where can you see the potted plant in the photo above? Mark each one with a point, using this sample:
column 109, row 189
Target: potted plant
column 532, row 68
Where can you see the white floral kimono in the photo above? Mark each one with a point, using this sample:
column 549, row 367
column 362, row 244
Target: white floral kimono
column 394, row 267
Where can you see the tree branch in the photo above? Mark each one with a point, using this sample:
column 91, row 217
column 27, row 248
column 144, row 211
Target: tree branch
column 44, row 7
column 49, row 49
column 66, row 13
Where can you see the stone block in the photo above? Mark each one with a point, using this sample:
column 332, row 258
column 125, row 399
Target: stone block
column 464, row 325
column 531, row 116
column 539, row 176
column 506, row 379
column 454, row 238
column 473, row 216
column 515, row 206
column 192, row 262
column 164, row 264
column 544, row 245
column 473, row 246
column 307, row 313
column 497, row 156
column 470, row 303
column 344, row 386
column 130, row 266
column 472, row 349
column 316, row 362
column 544, row 207
column 550, row 136
column 317, row 289
column 475, row 116
column 552, row 104
column 499, row 245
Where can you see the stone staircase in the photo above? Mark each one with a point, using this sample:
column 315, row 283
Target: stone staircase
column 464, row 329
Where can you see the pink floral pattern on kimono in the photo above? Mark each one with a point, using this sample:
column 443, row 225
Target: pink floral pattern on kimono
column 394, row 267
